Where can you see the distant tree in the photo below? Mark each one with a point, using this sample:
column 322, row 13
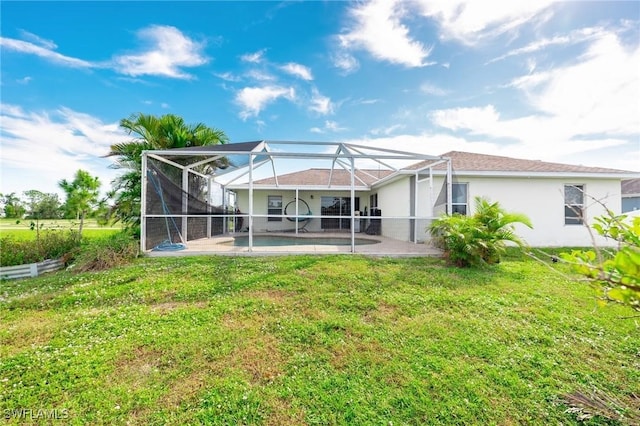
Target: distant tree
column 42, row 205
column 13, row 206
column 82, row 194
column 151, row 132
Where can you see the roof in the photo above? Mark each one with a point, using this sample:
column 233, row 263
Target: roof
column 340, row 177
column 471, row 162
column 631, row 187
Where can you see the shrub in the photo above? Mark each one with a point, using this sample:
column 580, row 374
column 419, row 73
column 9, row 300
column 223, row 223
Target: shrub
column 479, row 239
column 105, row 253
column 50, row 244
column 615, row 276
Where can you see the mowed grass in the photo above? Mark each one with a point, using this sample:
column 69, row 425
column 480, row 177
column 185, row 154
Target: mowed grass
column 21, row 230
column 311, row 340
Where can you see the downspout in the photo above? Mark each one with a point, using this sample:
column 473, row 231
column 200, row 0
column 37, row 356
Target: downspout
column 296, row 222
column 415, row 210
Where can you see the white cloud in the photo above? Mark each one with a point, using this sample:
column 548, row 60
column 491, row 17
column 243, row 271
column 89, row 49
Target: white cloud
column 470, row 21
column 386, row 131
column 56, row 144
column 227, row 76
column 24, row 80
column 377, row 28
column 345, row 61
column 254, row 58
column 164, row 105
column 431, row 89
column 297, row 70
column 320, row 104
column 329, row 126
column 259, row 75
column 169, row 51
column 43, row 52
column 35, row 39
column 254, row 99
column 577, row 36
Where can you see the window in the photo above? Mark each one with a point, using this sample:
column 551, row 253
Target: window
column 274, row 208
column 373, row 201
column 459, row 198
column 573, row 204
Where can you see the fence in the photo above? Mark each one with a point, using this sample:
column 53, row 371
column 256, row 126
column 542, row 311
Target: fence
column 30, row 270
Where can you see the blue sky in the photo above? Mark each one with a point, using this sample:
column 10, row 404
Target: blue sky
column 528, row 79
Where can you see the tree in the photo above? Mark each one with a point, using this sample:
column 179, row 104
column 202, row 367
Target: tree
column 12, row 206
column 150, row 132
column 479, row 239
column 42, row 205
column 82, row 194
column 615, row 276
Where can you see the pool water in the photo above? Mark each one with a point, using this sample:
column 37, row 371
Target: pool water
column 279, row 241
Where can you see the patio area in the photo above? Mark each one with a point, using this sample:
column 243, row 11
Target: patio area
column 370, row 245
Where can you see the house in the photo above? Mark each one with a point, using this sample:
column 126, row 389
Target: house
column 630, row 195
column 358, row 190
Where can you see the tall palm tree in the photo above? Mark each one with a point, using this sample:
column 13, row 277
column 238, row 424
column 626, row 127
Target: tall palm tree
column 151, row 132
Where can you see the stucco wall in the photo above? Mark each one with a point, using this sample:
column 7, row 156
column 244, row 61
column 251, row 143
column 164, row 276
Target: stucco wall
column 542, row 200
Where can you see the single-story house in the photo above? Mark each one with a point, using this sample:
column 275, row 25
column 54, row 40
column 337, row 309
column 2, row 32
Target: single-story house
column 380, row 198
column 558, row 198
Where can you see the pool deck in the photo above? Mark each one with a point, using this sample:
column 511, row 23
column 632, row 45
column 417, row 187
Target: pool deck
column 387, row 247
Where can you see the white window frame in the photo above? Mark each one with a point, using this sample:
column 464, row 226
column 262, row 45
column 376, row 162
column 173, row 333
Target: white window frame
column 570, row 209
column 274, row 208
column 466, row 201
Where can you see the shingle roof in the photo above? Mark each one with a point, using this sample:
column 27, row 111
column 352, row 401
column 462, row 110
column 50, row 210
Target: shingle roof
column 630, row 186
column 470, row 162
column 340, row 177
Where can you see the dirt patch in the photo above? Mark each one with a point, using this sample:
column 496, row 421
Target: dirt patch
column 166, row 307
column 35, row 329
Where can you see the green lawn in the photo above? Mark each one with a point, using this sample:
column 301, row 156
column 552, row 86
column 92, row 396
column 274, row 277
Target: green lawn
column 311, row 340
column 22, row 231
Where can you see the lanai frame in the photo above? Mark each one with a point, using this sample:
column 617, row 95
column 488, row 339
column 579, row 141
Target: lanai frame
column 260, row 153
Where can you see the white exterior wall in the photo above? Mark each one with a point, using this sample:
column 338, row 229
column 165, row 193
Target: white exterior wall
column 394, row 200
column 542, row 200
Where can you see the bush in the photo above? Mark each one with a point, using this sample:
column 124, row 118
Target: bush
column 479, row 239
column 615, row 276
column 105, row 253
column 50, row 244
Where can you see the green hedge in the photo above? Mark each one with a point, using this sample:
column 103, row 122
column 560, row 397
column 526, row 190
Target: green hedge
column 50, row 245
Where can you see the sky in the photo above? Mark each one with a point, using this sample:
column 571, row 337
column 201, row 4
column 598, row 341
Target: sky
column 527, row 79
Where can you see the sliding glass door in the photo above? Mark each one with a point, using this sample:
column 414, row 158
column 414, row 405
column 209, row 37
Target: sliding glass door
column 337, row 206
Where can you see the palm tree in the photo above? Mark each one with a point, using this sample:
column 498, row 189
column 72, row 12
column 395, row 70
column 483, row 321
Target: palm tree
column 151, row 132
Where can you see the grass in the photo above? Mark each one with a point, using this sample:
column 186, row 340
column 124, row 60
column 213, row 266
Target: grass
column 21, row 230
column 311, row 340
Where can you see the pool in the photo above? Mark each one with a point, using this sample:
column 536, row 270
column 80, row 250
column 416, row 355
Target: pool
column 279, row 241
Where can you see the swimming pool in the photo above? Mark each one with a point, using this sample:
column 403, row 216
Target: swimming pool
column 279, row 241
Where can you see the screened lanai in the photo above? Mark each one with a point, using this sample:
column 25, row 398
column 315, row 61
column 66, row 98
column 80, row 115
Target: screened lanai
column 287, row 196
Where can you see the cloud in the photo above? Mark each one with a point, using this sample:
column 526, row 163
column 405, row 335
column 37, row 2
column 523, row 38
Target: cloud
column 297, row 70
column 431, row 89
column 320, row 104
column 43, row 52
column 56, row 144
column 24, row 80
column 254, row 99
column 577, row 36
column 254, row 58
column 345, row 62
column 169, row 50
column 35, row 39
column 227, row 76
column 259, row 75
column 387, row 130
column 378, row 29
column 329, row 126
column 470, row 22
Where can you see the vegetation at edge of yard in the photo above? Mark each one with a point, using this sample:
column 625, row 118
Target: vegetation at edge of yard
column 311, row 340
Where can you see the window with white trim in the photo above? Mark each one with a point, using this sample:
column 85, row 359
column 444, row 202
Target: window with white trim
column 459, row 198
column 573, row 204
column 274, row 207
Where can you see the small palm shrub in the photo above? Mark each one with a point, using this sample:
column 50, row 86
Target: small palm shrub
column 479, row 239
